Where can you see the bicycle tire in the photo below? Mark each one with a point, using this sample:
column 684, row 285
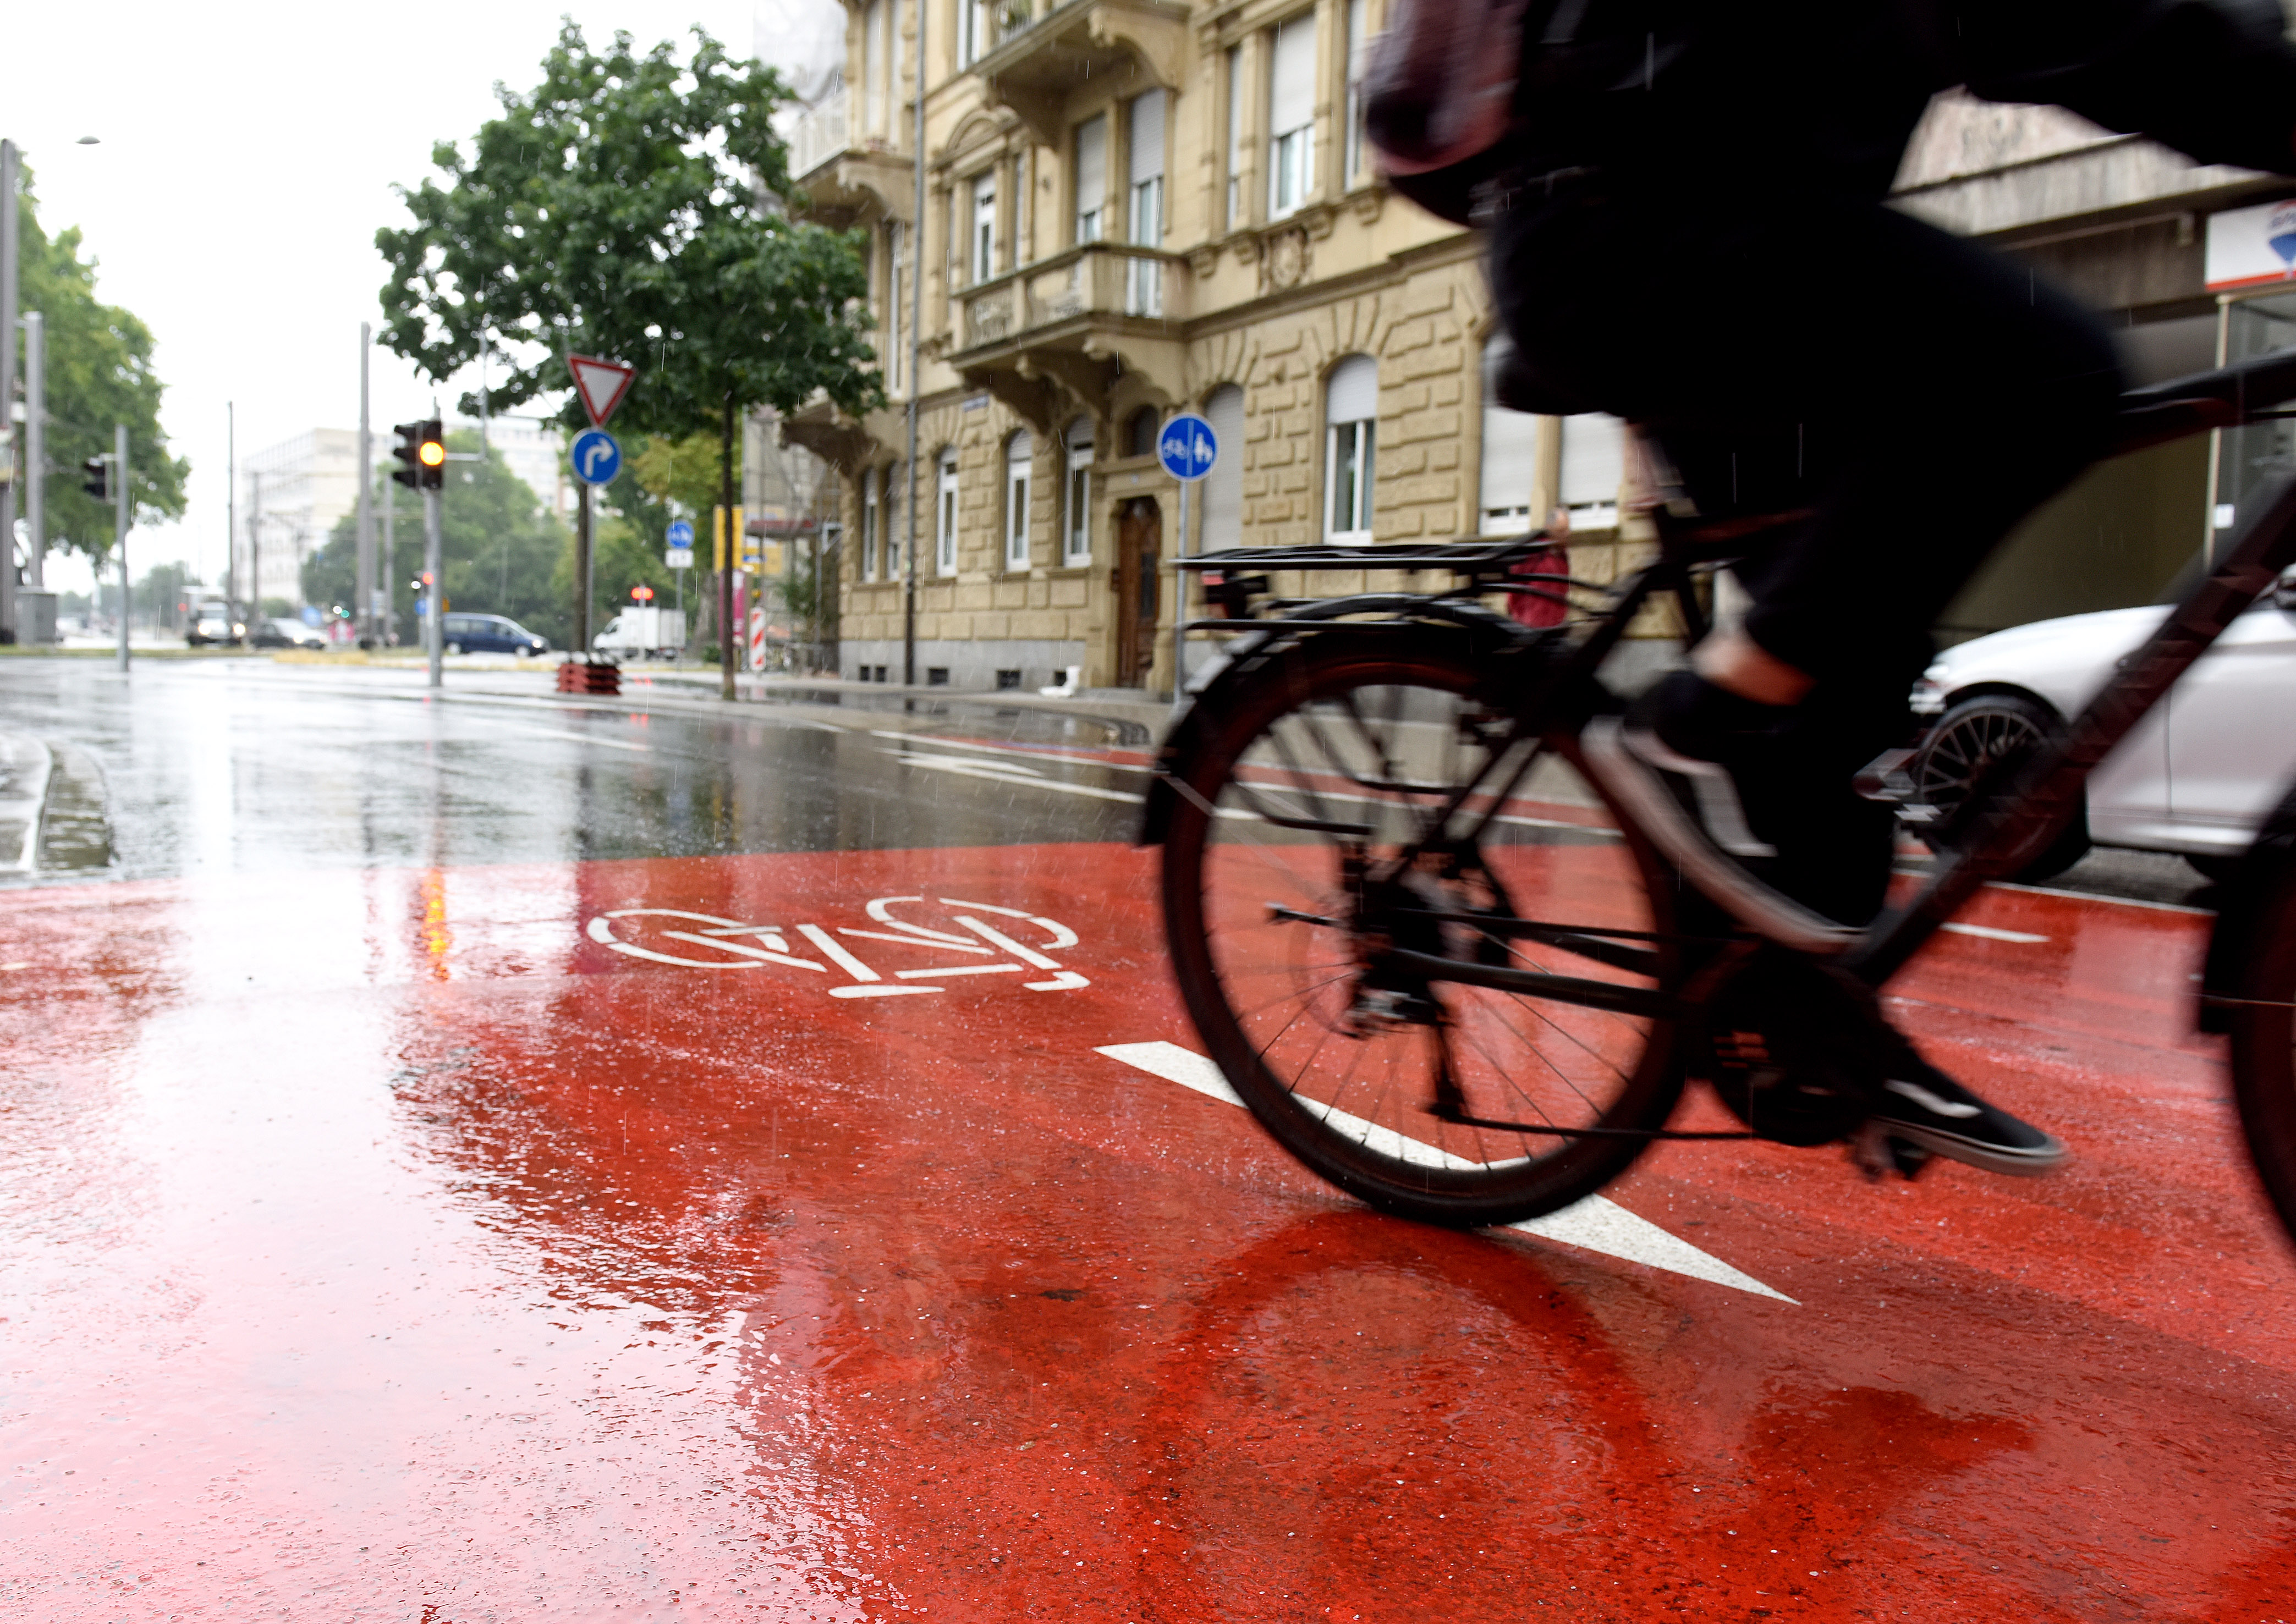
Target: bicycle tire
column 2263, row 1031
column 1560, row 844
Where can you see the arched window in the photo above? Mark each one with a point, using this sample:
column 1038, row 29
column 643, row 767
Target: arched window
column 1020, row 460
column 1350, row 415
column 944, row 513
column 1510, row 458
column 1223, row 521
column 1076, row 495
column 872, row 525
column 1140, row 431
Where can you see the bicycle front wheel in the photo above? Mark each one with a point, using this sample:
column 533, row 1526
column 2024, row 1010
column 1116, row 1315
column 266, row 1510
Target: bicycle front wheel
column 1299, row 872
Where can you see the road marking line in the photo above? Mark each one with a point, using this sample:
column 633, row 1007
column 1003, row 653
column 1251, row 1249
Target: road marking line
column 918, row 975
column 1596, row 1223
column 913, row 739
column 828, row 944
column 764, row 955
column 1026, row 954
column 1990, row 934
column 951, row 945
column 879, row 991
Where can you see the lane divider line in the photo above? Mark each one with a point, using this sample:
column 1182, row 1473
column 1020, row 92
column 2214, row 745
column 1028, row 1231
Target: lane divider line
column 1991, row 933
column 1596, row 1223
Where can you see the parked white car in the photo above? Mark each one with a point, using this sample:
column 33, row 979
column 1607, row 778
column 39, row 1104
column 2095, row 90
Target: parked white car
column 2197, row 776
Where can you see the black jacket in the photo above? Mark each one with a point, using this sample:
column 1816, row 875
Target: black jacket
column 1826, row 92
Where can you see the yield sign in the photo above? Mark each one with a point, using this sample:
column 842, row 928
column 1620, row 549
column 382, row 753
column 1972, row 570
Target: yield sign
column 600, row 383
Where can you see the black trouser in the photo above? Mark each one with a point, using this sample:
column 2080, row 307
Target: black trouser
column 1920, row 394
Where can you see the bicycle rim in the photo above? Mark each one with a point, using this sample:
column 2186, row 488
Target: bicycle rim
column 1319, row 772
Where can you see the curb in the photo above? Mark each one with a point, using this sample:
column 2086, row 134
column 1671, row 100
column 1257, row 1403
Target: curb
column 26, row 766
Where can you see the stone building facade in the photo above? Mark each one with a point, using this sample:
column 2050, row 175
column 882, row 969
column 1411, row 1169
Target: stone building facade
column 1136, row 207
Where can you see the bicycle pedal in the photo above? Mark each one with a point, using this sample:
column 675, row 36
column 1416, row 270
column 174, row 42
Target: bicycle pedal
column 1879, row 1153
column 1383, row 1009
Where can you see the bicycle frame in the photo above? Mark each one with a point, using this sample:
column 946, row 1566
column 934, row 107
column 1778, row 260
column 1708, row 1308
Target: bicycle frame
column 2044, row 792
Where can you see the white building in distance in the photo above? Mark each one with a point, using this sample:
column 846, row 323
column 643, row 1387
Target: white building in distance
column 290, row 496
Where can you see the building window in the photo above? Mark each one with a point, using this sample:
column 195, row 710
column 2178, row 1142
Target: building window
column 872, row 65
column 1352, row 154
column 896, row 485
column 1594, row 468
column 872, row 525
column 1140, row 431
column 1020, row 458
column 1092, row 179
column 972, row 31
column 1351, row 413
column 1222, row 487
column 897, row 313
column 1143, row 149
column 1236, row 153
column 1076, row 495
column 945, row 515
column 1510, row 457
column 1291, row 116
column 984, row 226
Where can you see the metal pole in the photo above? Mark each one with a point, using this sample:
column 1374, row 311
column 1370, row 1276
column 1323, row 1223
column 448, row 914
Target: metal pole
column 434, row 595
column 582, row 568
column 388, row 621
column 119, row 532
column 731, row 560
column 230, row 515
column 362, row 600
column 1180, row 607
column 916, row 235
column 8, row 384
column 254, row 552
column 36, row 448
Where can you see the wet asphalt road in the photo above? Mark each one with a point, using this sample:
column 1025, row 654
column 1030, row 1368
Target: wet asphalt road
column 502, row 1159
column 219, row 765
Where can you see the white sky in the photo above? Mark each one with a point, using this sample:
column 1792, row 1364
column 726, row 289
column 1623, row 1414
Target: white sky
column 247, row 151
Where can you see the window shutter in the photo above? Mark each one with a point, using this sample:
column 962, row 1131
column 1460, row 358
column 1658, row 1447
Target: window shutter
column 1143, row 137
column 1354, row 392
column 1291, row 102
column 1510, row 458
column 1092, row 166
column 1594, row 460
column 1223, row 486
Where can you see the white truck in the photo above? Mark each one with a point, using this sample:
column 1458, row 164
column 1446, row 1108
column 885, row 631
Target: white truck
column 642, row 630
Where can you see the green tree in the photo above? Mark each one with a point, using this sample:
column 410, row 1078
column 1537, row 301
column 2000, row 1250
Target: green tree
column 500, row 550
column 631, row 206
column 99, row 373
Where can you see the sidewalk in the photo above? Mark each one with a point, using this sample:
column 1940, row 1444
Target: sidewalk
column 1140, row 717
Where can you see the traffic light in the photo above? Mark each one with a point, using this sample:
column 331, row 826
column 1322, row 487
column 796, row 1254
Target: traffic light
column 422, row 450
column 97, row 482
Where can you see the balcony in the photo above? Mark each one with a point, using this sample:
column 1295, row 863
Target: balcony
column 848, row 177
column 1071, row 325
column 1044, row 50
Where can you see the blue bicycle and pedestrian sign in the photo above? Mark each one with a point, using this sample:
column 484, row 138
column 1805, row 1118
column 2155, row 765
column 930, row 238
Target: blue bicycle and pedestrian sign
column 1187, row 447
column 595, row 457
column 679, row 554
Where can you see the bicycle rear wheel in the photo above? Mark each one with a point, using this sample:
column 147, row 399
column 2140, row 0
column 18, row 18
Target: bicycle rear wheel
column 1420, row 1094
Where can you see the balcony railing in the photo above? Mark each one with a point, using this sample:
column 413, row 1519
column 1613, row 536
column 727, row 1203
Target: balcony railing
column 1106, row 279
column 821, row 134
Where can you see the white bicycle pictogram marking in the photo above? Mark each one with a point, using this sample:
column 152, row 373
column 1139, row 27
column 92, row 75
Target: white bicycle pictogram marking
column 729, row 943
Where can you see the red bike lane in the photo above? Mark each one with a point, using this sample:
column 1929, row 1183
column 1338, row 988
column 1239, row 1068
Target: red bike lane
column 597, row 1241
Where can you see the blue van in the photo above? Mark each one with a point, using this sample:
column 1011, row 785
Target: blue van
column 491, row 635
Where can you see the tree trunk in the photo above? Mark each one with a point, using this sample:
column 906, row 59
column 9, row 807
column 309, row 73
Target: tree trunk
column 725, row 633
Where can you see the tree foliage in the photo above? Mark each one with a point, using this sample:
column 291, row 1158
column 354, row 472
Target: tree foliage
column 99, row 366
column 499, row 548
column 626, row 206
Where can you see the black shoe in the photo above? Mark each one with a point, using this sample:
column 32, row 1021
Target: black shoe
column 1919, row 1104
column 1681, row 761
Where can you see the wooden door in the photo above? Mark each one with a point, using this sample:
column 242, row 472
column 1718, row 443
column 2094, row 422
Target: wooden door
column 1139, row 583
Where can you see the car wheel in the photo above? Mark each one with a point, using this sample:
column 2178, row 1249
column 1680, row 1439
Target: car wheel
column 454, row 648
column 1964, row 747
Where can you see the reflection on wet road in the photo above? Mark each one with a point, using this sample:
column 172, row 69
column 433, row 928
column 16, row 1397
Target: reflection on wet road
column 381, row 1238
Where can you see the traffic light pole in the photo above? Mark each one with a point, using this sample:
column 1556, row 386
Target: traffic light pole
column 363, row 614
column 119, row 532
column 434, row 623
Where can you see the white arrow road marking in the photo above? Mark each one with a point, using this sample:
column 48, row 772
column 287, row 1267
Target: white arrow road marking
column 1595, row 1224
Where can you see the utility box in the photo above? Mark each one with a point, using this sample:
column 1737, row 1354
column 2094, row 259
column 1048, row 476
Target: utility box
column 36, row 616
column 640, row 631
